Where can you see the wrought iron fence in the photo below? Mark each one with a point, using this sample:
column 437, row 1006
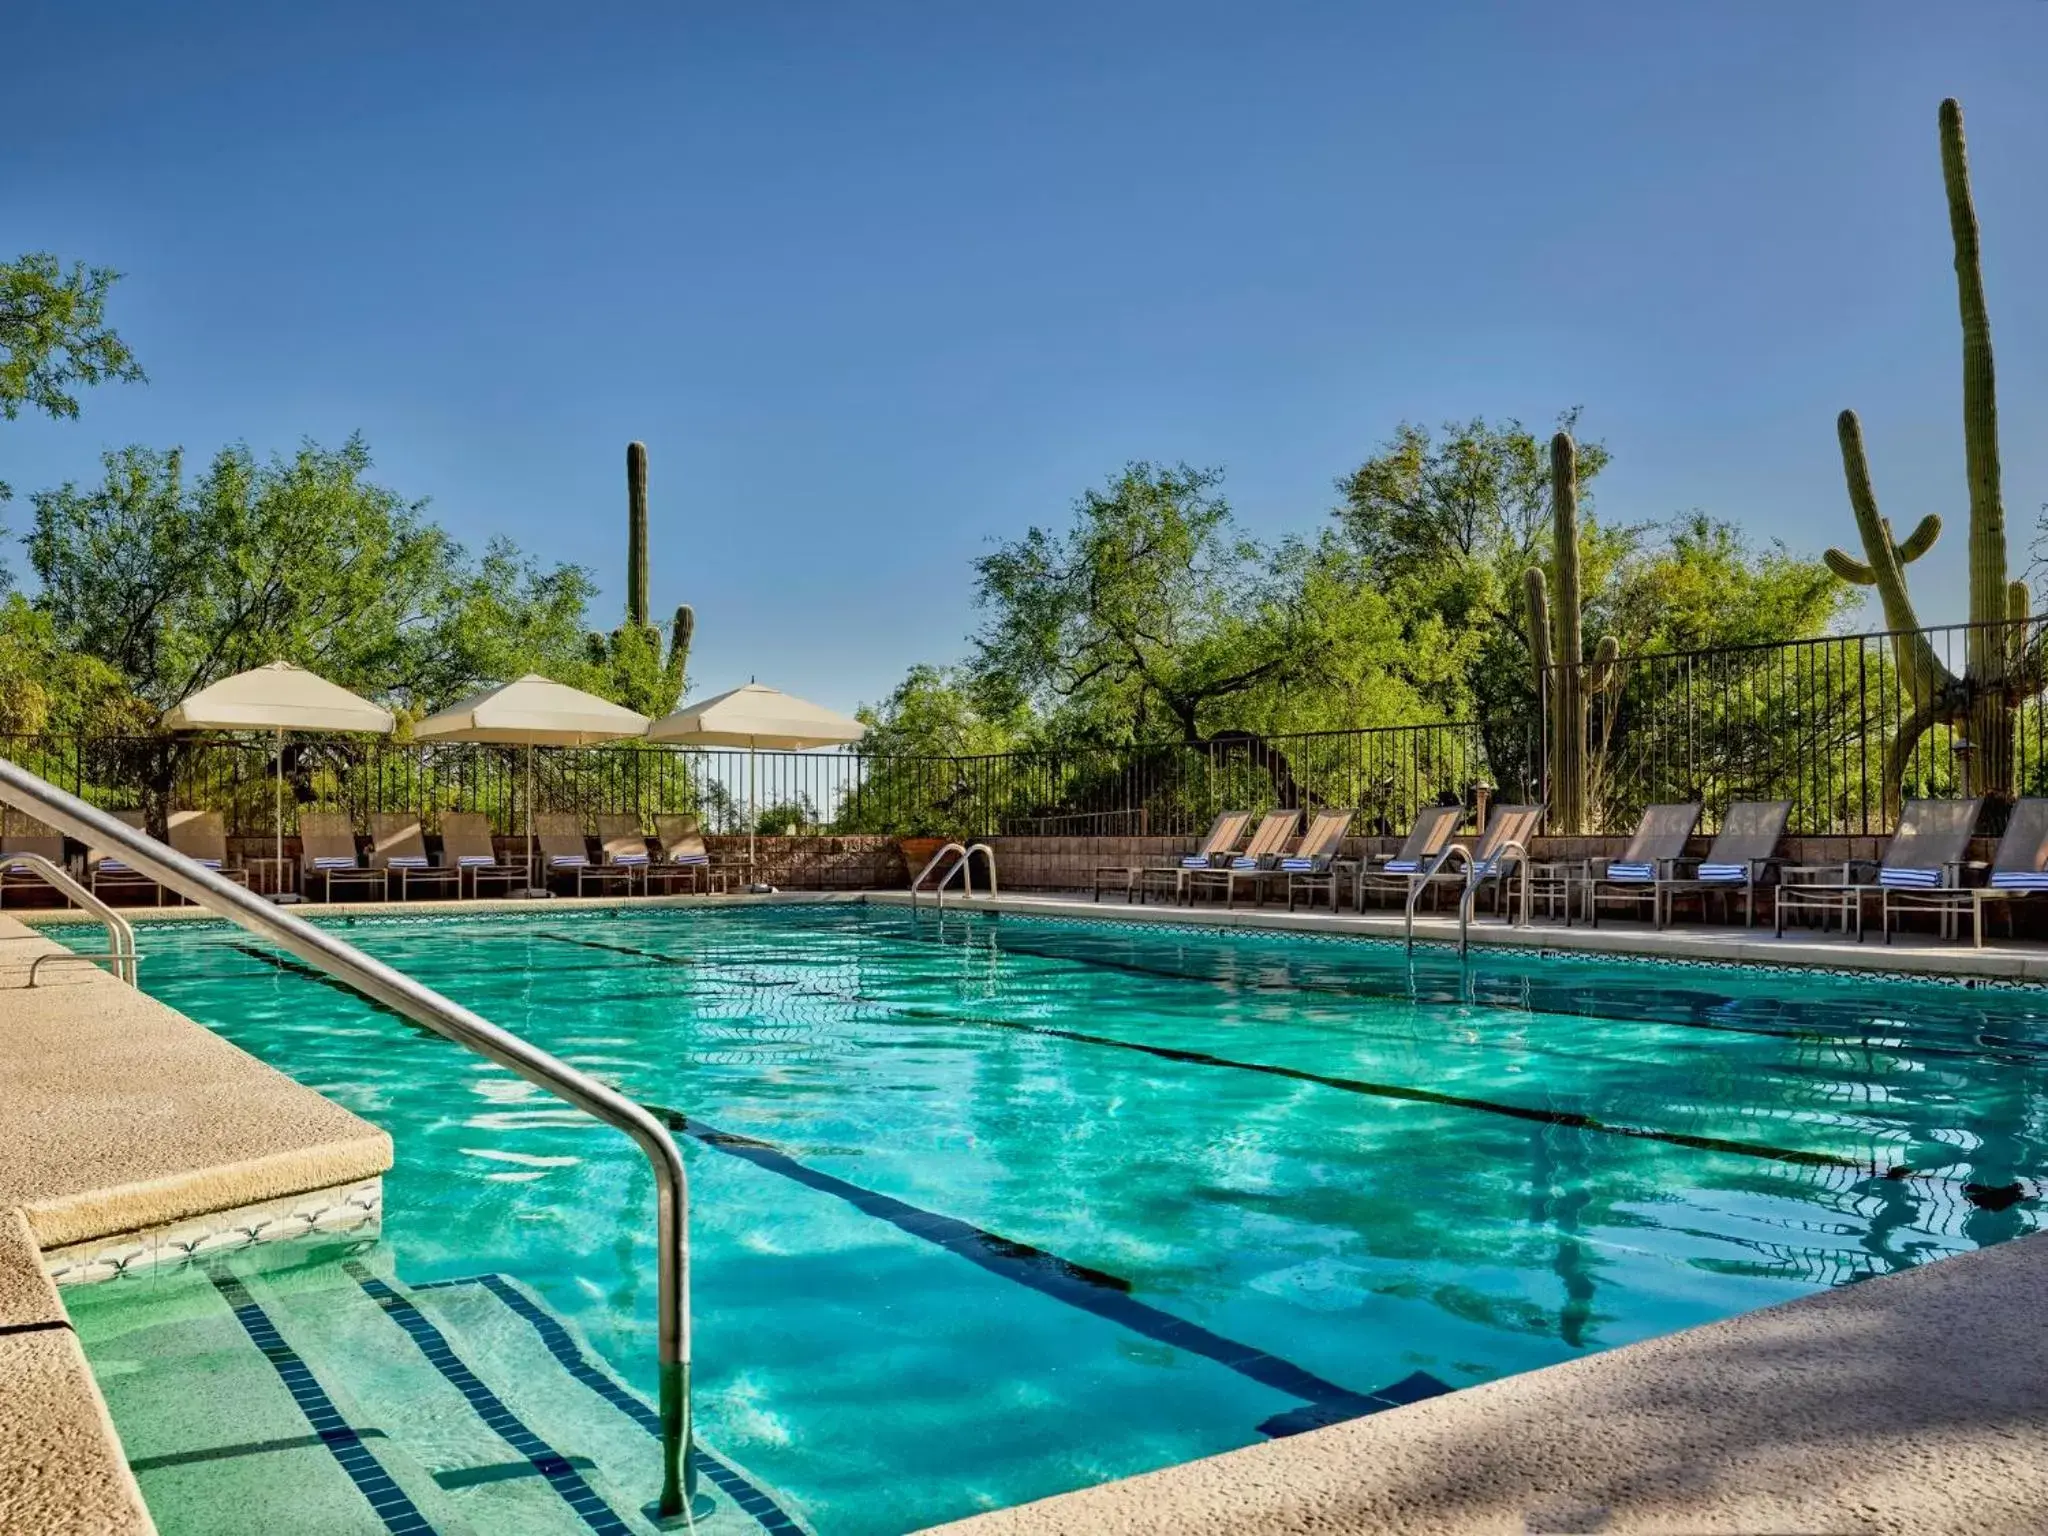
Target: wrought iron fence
column 1386, row 773
column 1838, row 725
column 1841, row 726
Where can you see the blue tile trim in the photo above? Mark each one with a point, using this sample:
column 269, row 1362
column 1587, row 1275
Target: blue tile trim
column 766, row 1513
column 547, row 1461
column 1090, row 1290
column 400, row 1515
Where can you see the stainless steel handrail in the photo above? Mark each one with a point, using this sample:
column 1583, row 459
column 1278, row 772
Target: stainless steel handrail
column 1419, row 882
column 964, row 869
column 423, row 1005
column 1475, row 873
column 120, row 937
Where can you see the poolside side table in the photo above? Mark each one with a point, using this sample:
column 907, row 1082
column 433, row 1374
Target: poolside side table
column 1831, row 890
column 1554, row 880
column 282, row 877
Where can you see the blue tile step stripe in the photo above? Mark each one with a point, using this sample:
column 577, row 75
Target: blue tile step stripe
column 400, row 1516
column 559, row 1342
column 566, row 1481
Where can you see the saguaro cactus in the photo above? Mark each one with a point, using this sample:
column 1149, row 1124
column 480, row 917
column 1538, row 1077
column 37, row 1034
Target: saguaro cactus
column 631, row 654
column 1999, row 669
column 636, row 534
column 1564, row 679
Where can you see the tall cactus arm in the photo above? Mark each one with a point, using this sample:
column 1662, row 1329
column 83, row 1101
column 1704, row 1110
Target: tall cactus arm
column 1539, row 622
column 1980, row 385
column 1922, row 671
column 636, row 534
column 679, row 636
column 1605, row 673
column 1920, row 540
column 1862, row 574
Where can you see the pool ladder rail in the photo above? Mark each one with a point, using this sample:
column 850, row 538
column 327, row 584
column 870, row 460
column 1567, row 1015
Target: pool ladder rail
column 401, row 993
column 1419, row 882
column 120, row 951
column 963, row 866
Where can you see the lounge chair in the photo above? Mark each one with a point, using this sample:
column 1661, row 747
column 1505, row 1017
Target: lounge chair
column 2019, row 869
column 1217, row 843
column 24, row 834
column 398, row 846
column 1502, row 850
column 201, row 837
column 1315, row 866
column 1926, row 853
column 107, row 872
column 327, row 853
column 621, row 854
column 466, row 843
column 1744, row 851
column 1259, row 856
column 563, row 848
column 1399, row 873
column 1645, row 866
column 683, row 856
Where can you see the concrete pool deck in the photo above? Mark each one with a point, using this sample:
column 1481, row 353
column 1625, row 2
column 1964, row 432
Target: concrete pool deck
column 1912, row 1405
column 120, row 1120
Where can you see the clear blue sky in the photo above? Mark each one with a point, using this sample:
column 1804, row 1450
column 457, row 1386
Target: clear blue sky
column 878, row 282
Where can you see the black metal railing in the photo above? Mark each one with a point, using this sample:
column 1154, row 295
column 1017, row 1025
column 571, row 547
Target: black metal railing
column 1842, row 726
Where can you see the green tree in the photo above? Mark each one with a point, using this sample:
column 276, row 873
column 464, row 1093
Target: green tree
column 174, row 583
column 1445, row 524
column 1150, row 618
column 54, row 335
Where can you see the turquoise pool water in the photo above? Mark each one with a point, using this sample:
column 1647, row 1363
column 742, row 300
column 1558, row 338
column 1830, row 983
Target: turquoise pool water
column 987, row 1208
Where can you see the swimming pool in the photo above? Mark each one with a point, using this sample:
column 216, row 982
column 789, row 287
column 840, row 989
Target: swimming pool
column 986, row 1208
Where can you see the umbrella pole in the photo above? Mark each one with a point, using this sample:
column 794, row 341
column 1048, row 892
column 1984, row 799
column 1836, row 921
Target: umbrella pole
column 753, row 815
column 529, row 819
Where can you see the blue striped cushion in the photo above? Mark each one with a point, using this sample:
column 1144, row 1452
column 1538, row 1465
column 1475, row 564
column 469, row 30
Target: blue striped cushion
column 691, row 858
column 1619, row 870
column 1402, row 866
column 1724, row 871
column 407, row 861
column 207, row 863
column 2019, row 880
column 629, row 858
column 1485, row 868
column 566, row 861
column 1299, row 866
column 1910, row 879
column 1195, row 861
column 333, row 861
column 1244, row 861
column 475, row 860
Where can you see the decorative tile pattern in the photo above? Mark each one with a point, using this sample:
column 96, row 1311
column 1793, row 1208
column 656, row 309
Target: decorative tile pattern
column 356, row 1209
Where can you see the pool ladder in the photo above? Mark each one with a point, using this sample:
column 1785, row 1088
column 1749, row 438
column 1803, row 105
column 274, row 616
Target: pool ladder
column 400, row 993
column 120, row 951
column 963, row 867
column 1474, row 876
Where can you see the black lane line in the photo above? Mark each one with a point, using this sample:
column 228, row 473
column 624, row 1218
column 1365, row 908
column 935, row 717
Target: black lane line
column 2012, row 1053
column 1090, row 1290
column 1569, row 1119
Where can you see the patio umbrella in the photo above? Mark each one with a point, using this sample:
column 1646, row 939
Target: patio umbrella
column 278, row 698
column 753, row 717
column 532, row 712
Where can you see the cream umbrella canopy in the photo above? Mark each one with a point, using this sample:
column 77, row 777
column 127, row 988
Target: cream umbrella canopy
column 532, row 712
column 278, row 698
column 757, row 716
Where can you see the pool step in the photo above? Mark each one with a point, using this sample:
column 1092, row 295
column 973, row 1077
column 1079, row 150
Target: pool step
column 325, row 1395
